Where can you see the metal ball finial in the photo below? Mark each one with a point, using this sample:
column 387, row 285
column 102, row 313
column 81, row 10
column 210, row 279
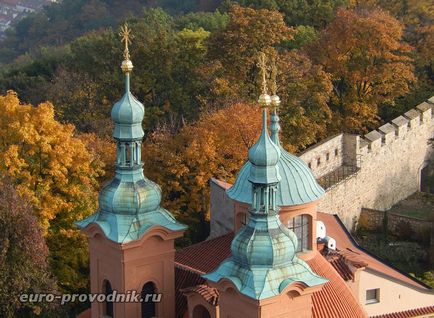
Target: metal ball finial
column 126, row 36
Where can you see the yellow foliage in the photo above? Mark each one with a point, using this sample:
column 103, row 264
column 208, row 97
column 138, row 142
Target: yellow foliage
column 215, row 146
column 58, row 171
column 46, row 160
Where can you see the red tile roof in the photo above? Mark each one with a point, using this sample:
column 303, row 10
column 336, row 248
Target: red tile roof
column 344, row 262
column 207, row 255
column 409, row 313
column 210, row 294
column 334, row 300
column 346, row 244
column 184, row 278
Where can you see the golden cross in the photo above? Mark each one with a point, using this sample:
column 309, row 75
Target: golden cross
column 273, row 84
column 262, row 64
column 126, row 38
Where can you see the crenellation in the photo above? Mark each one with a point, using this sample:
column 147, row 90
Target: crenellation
column 374, row 138
column 385, row 177
column 401, row 124
column 363, row 146
column 426, row 110
column 351, row 144
column 414, row 118
column 388, row 131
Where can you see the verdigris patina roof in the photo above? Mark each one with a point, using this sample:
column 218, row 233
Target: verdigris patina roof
column 297, row 186
column 127, row 114
column 129, row 204
column 263, row 259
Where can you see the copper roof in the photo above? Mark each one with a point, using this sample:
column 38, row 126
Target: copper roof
column 409, row 313
column 334, row 300
column 347, row 245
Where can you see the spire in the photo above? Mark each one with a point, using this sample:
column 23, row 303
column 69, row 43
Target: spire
column 130, row 203
column 275, row 103
column 263, row 261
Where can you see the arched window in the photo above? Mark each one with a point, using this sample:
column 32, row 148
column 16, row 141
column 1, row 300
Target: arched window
column 148, row 305
column 108, row 305
column 201, row 312
column 300, row 226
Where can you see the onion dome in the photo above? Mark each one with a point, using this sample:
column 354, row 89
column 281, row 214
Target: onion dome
column 263, row 156
column 263, row 261
column 127, row 114
column 297, row 186
column 129, row 204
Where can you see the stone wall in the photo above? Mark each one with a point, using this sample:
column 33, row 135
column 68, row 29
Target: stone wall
column 373, row 219
column 391, row 158
column 389, row 162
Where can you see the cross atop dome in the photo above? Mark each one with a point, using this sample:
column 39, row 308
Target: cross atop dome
column 126, row 37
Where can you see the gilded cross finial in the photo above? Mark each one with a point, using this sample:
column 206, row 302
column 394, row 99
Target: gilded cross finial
column 126, row 37
column 262, row 64
column 273, row 84
column 275, row 100
column 264, row 98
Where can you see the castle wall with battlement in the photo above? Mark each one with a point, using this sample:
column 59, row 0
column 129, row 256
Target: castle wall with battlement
column 390, row 159
column 388, row 162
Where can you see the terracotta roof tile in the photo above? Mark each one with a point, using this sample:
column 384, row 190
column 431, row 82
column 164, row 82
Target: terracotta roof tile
column 345, row 243
column 184, row 278
column 335, row 300
column 210, row 294
column 420, row 312
column 344, row 262
column 206, row 255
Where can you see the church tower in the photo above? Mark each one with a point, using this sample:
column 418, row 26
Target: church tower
column 298, row 194
column 264, row 277
column 131, row 237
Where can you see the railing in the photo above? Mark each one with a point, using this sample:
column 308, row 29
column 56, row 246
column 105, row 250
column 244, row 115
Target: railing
column 337, row 176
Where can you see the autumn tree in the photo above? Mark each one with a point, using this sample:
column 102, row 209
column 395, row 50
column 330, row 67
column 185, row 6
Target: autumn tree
column 315, row 13
column 369, row 64
column 248, row 32
column 305, row 90
column 215, row 146
column 23, row 256
column 57, row 174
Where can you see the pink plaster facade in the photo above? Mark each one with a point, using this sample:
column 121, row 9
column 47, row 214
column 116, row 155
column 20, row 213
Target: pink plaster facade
column 131, row 265
column 294, row 301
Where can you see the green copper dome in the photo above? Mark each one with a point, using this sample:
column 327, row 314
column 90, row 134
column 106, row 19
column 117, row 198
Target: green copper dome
column 263, row 156
column 129, row 204
column 264, row 261
column 127, row 115
column 297, row 186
